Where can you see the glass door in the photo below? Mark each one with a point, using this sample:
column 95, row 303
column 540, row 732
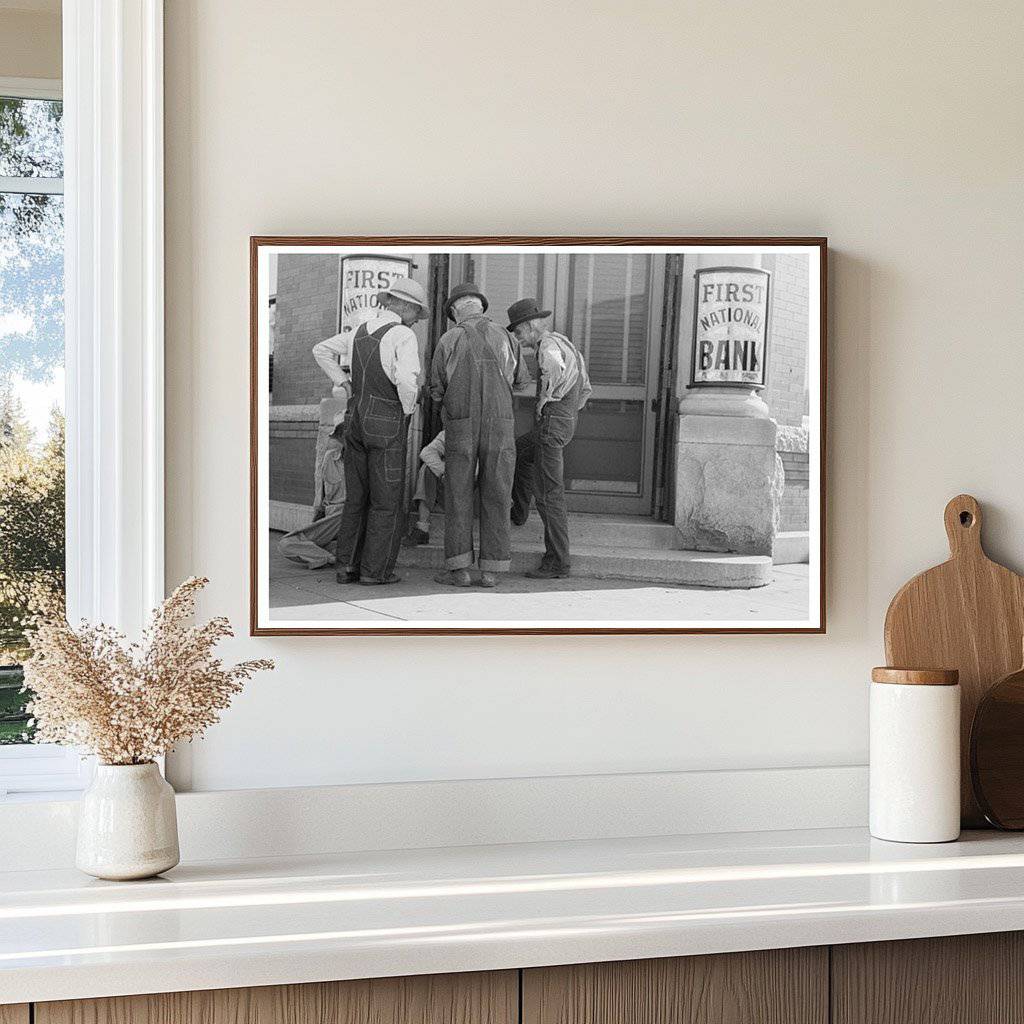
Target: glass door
column 612, row 312
column 506, row 278
column 610, row 306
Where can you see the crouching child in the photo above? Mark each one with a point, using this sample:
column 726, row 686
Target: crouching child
column 428, row 485
column 313, row 545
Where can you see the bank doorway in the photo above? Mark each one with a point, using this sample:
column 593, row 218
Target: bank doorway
column 611, row 307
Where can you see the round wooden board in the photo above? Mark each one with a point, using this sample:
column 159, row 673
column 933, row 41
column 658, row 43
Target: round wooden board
column 997, row 753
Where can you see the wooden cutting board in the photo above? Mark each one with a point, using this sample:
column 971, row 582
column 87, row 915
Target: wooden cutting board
column 967, row 614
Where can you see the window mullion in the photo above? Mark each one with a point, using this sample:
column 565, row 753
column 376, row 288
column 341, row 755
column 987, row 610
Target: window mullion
column 113, row 125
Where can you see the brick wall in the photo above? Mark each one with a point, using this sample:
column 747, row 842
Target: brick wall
column 794, row 510
column 786, row 393
column 292, row 461
column 307, row 312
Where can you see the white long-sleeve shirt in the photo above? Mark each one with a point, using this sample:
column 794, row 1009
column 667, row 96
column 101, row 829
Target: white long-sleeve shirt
column 399, row 356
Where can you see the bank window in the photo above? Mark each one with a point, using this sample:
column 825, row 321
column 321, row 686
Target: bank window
column 31, row 416
column 504, row 279
column 610, row 309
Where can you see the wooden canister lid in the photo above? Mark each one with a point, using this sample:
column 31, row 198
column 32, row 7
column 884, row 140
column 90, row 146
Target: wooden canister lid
column 916, row 676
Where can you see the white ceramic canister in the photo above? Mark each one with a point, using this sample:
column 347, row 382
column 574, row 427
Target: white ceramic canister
column 915, row 755
column 127, row 824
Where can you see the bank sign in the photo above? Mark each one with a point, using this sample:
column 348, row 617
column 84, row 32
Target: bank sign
column 730, row 326
column 363, row 278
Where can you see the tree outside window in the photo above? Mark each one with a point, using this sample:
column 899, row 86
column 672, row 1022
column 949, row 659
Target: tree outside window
column 31, row 385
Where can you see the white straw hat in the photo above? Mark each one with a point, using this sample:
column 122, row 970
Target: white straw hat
column 409, row 290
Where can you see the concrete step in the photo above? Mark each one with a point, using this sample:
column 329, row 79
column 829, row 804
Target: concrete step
column 643, row 564
column 590, row 530
column 792, row 548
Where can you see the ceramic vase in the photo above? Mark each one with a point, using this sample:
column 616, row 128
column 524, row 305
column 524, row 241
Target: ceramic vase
column 127, row 826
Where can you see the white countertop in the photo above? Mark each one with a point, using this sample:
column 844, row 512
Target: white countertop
column 284, row 920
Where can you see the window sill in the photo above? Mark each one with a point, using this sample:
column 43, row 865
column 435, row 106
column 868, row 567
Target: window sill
column 42, row 771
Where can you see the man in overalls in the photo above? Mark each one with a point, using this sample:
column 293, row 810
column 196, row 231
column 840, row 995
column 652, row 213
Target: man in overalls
column 563, row 387
column 476, row 366
column 382, row 389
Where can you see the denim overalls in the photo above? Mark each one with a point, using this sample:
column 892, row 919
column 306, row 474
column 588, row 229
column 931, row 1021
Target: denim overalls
column 475, row 366
column 375, row 441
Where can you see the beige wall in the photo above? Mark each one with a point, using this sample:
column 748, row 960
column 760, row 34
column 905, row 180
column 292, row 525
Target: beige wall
column 895, row 129
column 30, row 41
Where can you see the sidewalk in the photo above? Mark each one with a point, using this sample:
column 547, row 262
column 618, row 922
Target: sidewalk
column 313, row 594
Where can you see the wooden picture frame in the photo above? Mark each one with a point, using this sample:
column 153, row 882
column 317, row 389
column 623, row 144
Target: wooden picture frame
column 557, row 268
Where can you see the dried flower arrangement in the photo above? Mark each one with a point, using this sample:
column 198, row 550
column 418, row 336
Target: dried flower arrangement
column 129, row 703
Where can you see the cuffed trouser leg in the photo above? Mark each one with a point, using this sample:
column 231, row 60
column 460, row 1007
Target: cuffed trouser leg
column 297, row 548
column 549, row 494
column 349, row 547
column 384, row 518
column 459, row 478
column 313, row 545
column 497, row 470
column 423, row 478
column 425, row 497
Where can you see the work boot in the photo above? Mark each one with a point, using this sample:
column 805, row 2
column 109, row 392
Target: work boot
column 548, row 571
column 347, row 575
column 454, row 578
column 488, row 579
column 417, row 536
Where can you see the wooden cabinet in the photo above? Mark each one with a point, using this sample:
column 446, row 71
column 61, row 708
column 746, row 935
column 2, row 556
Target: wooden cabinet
column 779, row 986
column 969, row 979
column 963, row 979
column 491, row 998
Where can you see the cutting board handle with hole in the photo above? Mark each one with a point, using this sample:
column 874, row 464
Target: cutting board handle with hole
column 963, row 527
column 967, row 614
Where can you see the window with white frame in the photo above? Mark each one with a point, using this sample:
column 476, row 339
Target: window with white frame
column 100, row 147
column 32, row 515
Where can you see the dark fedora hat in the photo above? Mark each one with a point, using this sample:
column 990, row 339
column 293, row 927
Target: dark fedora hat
column 460, row 291
column 523, row 310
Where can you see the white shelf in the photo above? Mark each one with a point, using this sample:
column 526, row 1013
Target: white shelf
column 353, row 915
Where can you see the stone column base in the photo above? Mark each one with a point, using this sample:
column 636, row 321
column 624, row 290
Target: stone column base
column 729, row 482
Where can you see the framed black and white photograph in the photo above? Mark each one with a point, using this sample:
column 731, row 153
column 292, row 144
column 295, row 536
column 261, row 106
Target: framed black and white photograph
column 537, row 435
